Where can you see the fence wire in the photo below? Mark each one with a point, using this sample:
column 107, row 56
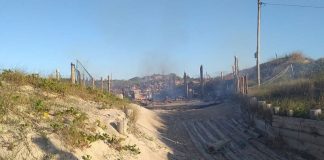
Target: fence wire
column 82, row 75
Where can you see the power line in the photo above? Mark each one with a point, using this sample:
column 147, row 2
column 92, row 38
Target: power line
column 293, row 5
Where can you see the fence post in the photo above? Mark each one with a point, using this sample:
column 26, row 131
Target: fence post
column 242, row 85
column 83, row 80
column 109, row 83
column 73, row 73
column 93, row 83
column 79, row 78
column 121, row 126
column 102, row 84
column 57, row 74
column 246, row 87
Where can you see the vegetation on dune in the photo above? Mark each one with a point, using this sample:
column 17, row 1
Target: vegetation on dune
column 300, row 89
column 32, row 109
column 299, row 95
column 298, row 65
column 62, row 88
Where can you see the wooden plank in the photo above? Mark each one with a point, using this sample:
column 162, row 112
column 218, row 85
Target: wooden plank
column 208, row 134
column 197, row 142
column 216, row 130
column 253, row 148
column 239, row 130
column 230, row 155
column 250, row 130
column 263, row 149
column 196, row 132
column 235, row 138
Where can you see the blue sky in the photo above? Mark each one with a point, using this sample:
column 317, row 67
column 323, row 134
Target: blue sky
column 138, row 37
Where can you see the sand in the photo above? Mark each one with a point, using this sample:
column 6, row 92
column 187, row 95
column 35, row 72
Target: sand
column 30, row 144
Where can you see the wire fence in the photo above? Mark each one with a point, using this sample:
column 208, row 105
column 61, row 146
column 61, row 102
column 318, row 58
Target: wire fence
column 82, row 75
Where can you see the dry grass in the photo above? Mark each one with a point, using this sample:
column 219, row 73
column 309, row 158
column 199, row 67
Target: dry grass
column 298, row 95
column 20, row 78
column 30, row 109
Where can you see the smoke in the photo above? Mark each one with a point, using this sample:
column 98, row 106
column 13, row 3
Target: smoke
column 157, row 63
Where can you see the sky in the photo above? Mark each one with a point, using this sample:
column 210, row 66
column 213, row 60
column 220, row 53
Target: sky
column 128, row 38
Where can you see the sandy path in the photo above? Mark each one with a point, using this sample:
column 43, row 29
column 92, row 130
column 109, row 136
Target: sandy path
column 193, row 129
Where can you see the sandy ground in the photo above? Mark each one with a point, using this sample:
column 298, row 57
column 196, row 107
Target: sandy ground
column 212, row 132
column 215, row 132
column 146, row 139
column 19, row 144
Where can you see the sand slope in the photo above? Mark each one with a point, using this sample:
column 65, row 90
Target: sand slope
column 20, row 138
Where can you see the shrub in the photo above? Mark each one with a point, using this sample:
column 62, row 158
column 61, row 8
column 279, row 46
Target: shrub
column 86, row 157
column 70, row 125
column 135, row 150
column 39, row 106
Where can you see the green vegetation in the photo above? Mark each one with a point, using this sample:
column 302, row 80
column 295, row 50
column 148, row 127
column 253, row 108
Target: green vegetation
column 135, row 150
column 86, row 157
column 23, row 107
column 297, row 95
column 71, row 126
column 300, row 88
column 62, row 88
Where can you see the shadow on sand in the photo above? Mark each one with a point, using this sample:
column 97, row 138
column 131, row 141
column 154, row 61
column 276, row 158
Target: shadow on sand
column 176, row 136
column 51, row 150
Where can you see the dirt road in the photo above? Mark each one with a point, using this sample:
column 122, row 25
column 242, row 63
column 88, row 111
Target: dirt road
column 215, row 132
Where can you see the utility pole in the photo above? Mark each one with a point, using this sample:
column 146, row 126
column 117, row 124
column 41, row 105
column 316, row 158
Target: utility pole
column 257, row 56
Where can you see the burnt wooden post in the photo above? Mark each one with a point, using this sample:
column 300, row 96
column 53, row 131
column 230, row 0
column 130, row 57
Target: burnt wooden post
column 185, row 83
column 242, row 84
column 246, row 86
column 202, row 87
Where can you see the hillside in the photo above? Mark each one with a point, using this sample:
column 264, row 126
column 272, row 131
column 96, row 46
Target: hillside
column 48, row 119
column 293, row 66
column 294, row 83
